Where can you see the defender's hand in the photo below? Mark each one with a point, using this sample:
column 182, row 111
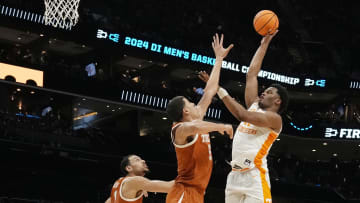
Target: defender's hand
column 217, row 45
column 203, row 76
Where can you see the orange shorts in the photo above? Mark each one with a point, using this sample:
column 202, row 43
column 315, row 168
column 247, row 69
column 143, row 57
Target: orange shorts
column 184, row 194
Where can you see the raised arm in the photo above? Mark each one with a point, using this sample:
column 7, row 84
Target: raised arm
column 187, row 129
column 241, row 114
column 251, row 89
column 231, row 105
column 268, row 119
column 212, row 85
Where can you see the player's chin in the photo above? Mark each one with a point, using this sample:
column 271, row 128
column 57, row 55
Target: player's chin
column 146, row 170
column 261, row 104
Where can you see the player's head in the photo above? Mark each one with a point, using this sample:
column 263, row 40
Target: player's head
column 274, row 96
column 134, row 165
column 179, row 108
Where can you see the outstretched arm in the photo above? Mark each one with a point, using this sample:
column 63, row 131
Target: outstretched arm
column 212, row 85
column 269, row 119
column 200, row 127
column 138, row 183
column 251, row 89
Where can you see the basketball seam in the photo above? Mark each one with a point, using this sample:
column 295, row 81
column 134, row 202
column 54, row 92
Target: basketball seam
column 256, row 19
column 265, row 23
column 276, row 24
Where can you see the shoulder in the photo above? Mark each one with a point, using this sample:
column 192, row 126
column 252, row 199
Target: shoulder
column 273, row 115
column 174, row 130
column 132, row 183
column 275, row 119
column 135, row 180
column 180, row 129
column 183, row 133
column 131, row 186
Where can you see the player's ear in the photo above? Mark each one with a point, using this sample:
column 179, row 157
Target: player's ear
column 186, row 111
column 278, row 101
column 128, row 168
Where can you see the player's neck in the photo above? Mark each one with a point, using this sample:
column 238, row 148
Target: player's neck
column 271, row 108
column 132, row 175
column 187, row 118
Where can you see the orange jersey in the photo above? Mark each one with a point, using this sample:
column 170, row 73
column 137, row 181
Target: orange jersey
column 194, row 161
column 117, row 197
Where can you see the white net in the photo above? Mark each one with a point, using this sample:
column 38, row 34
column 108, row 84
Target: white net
column 61, row 13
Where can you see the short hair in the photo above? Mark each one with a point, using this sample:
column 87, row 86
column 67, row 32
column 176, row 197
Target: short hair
column 124, row 163
column 175, row 108
column 284, row 96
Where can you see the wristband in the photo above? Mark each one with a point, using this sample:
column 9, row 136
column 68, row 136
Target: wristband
column 222, row 93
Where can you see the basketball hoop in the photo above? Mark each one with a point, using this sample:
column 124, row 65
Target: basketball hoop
column 61, row 13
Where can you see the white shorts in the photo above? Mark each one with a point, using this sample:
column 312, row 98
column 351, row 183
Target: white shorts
column 252, row 186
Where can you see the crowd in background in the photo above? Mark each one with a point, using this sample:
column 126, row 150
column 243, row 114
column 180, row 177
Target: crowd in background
column 337, row 175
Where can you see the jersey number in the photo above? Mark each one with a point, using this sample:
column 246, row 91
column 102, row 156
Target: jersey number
column 210, row 155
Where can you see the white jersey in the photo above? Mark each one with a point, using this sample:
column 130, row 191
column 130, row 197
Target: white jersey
column 251, row 144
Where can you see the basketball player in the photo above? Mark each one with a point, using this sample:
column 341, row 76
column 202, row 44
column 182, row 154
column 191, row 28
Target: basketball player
column 249, row 182
column 190, row 137
column 134, row 185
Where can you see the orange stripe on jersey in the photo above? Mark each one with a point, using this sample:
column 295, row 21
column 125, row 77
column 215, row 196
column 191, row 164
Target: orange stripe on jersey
column 264, row 149
column 266, row 188
column 258, row 162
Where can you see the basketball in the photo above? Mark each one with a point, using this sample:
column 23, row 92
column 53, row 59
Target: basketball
column 264, row 21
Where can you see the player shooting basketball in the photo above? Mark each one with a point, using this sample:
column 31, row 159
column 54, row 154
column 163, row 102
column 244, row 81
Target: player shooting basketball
column 261, row 124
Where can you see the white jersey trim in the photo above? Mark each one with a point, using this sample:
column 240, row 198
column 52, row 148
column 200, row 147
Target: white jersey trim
column 181, row 198
column 184, row 145
column 127, row 199
column 187, row 144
